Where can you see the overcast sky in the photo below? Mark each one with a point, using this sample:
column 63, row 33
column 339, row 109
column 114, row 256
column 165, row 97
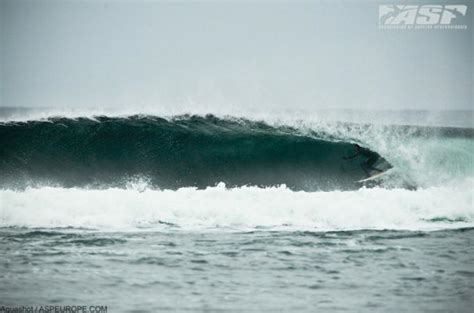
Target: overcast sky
column 274, row 55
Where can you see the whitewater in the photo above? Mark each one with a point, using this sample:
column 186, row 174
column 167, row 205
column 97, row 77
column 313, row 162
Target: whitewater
column 216, row 212
column 243, row 208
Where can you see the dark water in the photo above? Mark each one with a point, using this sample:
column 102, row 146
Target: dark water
column 172, row 153
column 257, row 271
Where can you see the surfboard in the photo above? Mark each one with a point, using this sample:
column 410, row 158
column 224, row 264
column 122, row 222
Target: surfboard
column 372, row 177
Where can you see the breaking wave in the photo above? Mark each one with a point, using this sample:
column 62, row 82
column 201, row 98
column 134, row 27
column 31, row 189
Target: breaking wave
column 222, row 172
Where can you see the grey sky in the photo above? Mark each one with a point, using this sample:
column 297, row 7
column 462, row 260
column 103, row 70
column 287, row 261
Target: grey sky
column 305, row 55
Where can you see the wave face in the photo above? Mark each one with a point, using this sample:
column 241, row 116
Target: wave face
column 185, row 151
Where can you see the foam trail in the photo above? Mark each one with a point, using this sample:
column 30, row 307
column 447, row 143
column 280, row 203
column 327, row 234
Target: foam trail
column 238, row 208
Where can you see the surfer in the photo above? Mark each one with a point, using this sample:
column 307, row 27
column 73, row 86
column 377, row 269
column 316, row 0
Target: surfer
column 371, row 159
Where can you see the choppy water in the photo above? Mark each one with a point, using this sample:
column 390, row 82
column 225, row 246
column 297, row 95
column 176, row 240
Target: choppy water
column 257, row 271
column 204, row 213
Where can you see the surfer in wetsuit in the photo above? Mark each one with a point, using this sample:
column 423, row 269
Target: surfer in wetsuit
column 371, row 158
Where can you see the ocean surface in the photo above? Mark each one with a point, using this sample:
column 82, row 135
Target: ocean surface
column 230, row 213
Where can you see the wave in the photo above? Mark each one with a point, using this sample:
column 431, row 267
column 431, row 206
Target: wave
column 205, row 172
column 244, row 208
column 172, row 153
column 202, row 151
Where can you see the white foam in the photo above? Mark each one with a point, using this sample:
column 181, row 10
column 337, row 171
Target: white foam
column 239, row 208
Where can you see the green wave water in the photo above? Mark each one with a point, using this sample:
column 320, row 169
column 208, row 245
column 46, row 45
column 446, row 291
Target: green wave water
column 171, row 153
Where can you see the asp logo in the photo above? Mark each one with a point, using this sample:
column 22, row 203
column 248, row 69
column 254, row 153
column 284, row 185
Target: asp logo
column 422, row 16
